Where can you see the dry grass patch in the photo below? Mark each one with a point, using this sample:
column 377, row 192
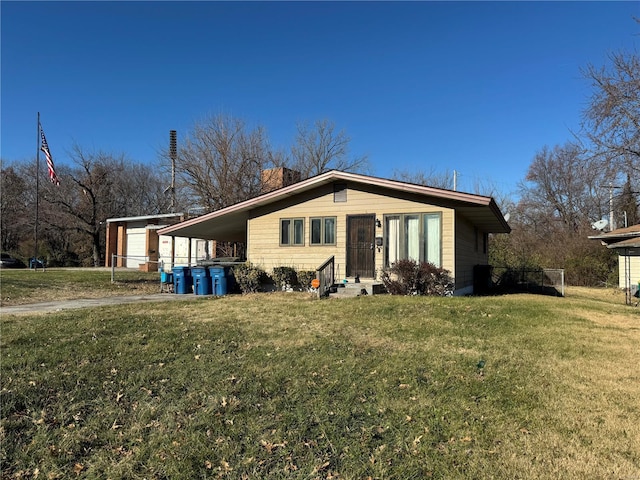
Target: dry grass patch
column 609, row 319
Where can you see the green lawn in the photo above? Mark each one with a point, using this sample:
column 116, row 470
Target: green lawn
column 287, row 386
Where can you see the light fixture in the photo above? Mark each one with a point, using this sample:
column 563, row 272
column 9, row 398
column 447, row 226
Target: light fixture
column 378, row 223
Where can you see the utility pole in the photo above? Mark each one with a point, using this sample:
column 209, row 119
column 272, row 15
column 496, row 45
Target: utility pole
column 173, row 153
column 612, row 217
column 612, row 220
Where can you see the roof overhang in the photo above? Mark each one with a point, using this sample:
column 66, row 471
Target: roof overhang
column 230, row 223
column 630, row 234
column 161, row 216
column 630, row 243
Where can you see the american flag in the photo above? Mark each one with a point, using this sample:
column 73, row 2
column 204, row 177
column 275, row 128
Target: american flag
column 45, row 148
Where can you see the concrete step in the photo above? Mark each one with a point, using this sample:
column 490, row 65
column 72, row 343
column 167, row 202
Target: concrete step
column 352, row 289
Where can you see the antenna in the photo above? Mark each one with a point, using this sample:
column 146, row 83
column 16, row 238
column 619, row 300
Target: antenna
column 173, row 154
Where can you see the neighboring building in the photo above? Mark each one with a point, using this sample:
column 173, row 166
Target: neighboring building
column 626, row 241
column 136, row 243
column 365, row 223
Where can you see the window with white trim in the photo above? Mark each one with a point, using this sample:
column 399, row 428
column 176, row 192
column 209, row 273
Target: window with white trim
column 291, row 231
column 322, row 231
column 415, row 236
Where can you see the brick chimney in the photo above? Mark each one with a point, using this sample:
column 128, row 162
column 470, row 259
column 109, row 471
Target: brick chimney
column 275, row 178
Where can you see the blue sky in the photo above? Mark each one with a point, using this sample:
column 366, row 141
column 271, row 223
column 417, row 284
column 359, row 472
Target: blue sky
column 476, row 87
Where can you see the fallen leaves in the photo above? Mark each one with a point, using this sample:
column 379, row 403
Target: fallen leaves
column 270, row 447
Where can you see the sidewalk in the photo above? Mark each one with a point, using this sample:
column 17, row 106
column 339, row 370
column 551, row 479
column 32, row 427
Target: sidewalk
column 47, row 307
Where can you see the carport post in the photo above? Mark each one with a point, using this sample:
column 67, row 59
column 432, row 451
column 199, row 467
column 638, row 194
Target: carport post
column 113, row 266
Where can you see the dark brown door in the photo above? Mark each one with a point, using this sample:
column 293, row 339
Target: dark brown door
column 361, row 231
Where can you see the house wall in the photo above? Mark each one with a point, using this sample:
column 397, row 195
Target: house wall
column 632, row 269
column 263, row 230
column 471, row 248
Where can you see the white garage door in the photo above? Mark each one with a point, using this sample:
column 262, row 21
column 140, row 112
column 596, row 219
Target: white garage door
column 136, row 247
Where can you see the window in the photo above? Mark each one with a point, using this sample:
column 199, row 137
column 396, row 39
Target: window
column 323, row 231
column 413, row 236
column 483, row 238
column 292, row 231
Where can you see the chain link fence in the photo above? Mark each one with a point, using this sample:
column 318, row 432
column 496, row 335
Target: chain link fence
column 546, row 281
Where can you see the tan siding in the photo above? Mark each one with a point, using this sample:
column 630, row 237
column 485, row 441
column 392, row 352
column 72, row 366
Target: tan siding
column 467, row 254
column 632, row 269
column 264, row 236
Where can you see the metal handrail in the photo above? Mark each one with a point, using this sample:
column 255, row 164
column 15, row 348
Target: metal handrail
column 325, row 273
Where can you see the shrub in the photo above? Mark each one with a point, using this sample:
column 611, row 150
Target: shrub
column 432, row 280
column 284, row 277
column 400, row 278
column 248, row 277
column 407, row 277
column 305, row 277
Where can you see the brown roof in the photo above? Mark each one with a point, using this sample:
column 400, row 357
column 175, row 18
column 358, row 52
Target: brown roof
column 230, row 223
column 628, row 243
column 618, row 234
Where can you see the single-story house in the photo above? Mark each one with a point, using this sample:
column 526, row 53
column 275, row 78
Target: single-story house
column 365, row 223
column 626, row 241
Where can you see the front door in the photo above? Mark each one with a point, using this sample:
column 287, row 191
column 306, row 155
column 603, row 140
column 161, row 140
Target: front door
column 361, row 230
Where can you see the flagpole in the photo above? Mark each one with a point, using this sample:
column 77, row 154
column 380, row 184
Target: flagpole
column 35, row 250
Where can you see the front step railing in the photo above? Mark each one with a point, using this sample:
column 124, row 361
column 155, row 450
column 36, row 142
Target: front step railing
column 325, row 274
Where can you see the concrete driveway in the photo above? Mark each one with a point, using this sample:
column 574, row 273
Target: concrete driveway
column 46, row 307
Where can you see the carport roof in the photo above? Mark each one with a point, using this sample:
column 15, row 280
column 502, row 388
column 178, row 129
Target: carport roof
column 230, row 223
column 145, row 217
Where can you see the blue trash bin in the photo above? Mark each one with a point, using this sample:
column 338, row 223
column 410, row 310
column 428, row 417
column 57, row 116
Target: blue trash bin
column 35, row 263
column 201, row 281
column 182, row 282
column 166, row 277
column 166, row 282
column 218, row 281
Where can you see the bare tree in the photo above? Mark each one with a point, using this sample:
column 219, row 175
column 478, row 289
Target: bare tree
column 220, row 162
column 431, row 178
column 99, row 186
column 15, row 209
column 626, row 203
column 559, row 200
column 564, row 185
column 86, row 197
column 612, row 119
column 140, row 189
column 445, row 180
column 320, row 148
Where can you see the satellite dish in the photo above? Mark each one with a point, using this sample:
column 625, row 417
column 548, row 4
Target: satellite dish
column 507, row 216
column 600, row 224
